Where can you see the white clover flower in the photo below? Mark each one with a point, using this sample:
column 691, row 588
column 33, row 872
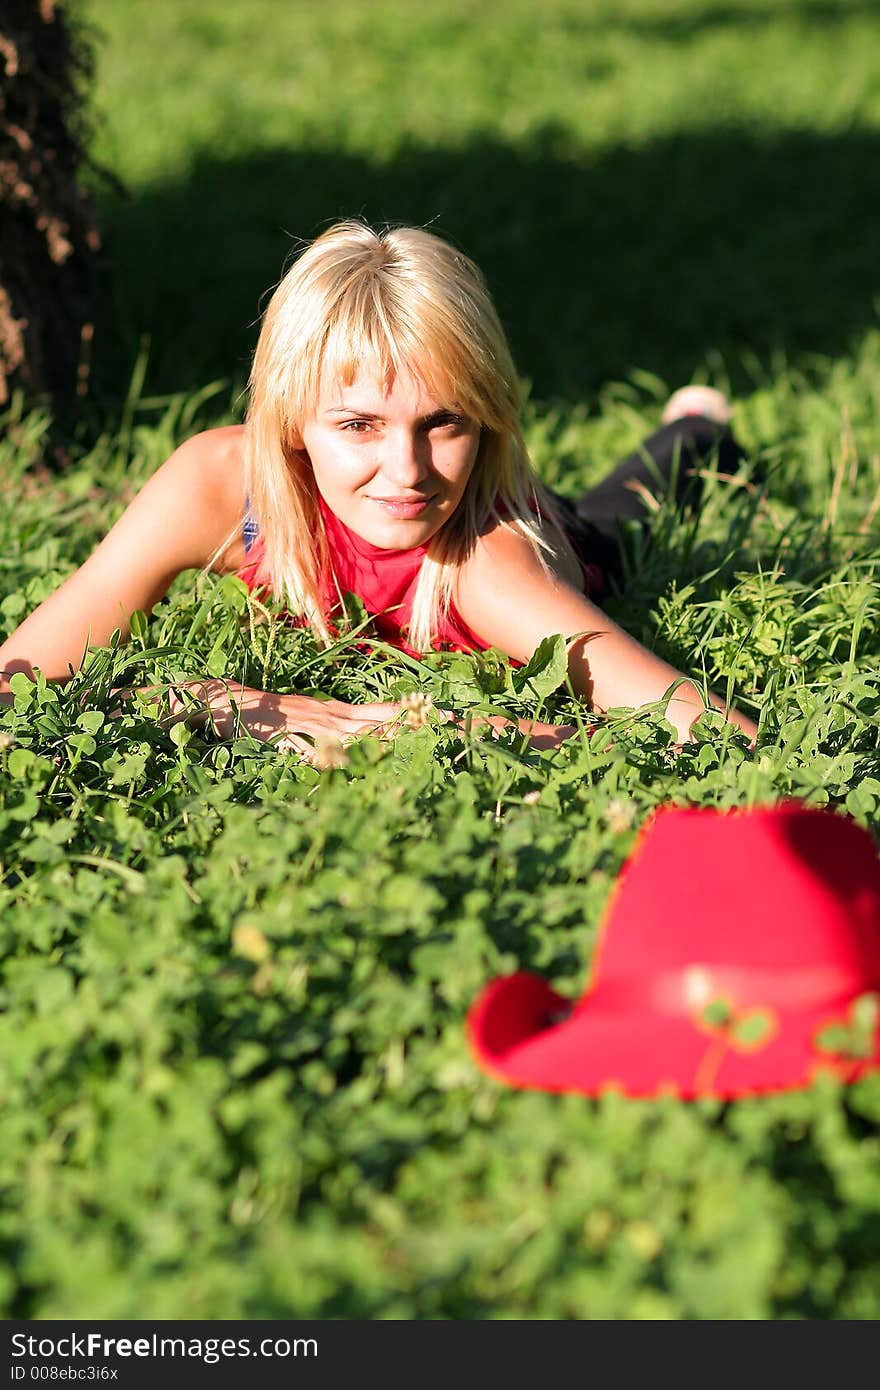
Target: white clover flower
column 418, row 706
column 620, row 815
column 328, row 753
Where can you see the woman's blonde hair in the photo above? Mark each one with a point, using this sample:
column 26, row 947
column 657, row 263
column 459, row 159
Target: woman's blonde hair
column 397, row 300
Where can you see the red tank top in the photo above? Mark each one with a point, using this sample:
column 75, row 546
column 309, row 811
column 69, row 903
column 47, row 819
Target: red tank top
column 387, row 579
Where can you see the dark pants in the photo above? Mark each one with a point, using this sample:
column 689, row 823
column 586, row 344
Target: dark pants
column 676, row 449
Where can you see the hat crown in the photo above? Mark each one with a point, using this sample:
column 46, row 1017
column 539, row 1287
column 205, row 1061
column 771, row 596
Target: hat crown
column 772, row 890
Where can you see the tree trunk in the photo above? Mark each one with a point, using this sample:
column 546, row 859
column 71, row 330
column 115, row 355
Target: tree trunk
column 48, row 236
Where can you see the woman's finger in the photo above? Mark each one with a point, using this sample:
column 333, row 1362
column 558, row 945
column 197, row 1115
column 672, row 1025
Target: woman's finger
column 386, row 730
column 353, row 723
column 380, row 709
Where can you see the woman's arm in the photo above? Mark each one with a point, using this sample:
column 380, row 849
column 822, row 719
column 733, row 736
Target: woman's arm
column 505, row 596
column 176, row 522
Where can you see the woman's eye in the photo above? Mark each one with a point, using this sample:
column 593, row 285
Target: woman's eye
column 446, row 419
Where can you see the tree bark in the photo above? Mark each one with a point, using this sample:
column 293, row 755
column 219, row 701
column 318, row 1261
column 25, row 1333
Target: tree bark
column 48, row 235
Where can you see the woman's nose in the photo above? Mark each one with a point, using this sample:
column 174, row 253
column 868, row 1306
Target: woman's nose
column 406, row 458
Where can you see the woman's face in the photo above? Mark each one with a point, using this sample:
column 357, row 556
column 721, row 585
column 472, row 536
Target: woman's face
column 389, row 459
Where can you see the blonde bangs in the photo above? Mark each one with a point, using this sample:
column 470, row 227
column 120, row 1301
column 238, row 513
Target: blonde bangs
column 379, row 333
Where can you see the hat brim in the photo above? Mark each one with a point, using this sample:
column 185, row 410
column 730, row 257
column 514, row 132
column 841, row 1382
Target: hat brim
column 528, row 1035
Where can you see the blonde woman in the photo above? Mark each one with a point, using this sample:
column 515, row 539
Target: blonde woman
column 382, row 453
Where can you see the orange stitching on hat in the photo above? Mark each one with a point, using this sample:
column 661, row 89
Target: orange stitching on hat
column 710, row 1063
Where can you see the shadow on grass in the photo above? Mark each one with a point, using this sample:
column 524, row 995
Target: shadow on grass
column 667, row 27
column 646, row 257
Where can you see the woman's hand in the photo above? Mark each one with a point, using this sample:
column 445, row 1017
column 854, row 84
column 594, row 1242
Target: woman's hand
column 285, row 720
column 265, row 715
column 540, row 736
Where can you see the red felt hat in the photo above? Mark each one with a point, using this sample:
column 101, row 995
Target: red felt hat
column 731, row 942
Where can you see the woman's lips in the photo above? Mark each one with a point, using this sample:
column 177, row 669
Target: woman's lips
column 402, row 508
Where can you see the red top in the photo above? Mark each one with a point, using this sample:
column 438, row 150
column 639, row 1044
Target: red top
column 387, row 579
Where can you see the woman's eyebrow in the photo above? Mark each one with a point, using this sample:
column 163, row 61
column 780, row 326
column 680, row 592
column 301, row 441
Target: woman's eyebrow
column 439, row 414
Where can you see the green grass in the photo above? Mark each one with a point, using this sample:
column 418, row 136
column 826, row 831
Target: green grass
column 645, row 183
column 233, row 1069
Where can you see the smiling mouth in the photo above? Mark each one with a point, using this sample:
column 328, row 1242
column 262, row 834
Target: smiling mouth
column 403, row 506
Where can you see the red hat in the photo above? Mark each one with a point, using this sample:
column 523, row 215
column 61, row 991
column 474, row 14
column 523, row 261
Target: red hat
column 733, row 945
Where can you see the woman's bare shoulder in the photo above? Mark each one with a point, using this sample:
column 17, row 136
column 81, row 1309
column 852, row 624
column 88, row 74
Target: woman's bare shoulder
column 511, row 600
column 502, row 548
column 220, row 451
column 218, row 456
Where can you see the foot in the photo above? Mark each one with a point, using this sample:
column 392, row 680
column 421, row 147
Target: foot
column 697, row 400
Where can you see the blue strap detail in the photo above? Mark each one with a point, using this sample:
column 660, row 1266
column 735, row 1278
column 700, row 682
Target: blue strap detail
column 250, row 530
